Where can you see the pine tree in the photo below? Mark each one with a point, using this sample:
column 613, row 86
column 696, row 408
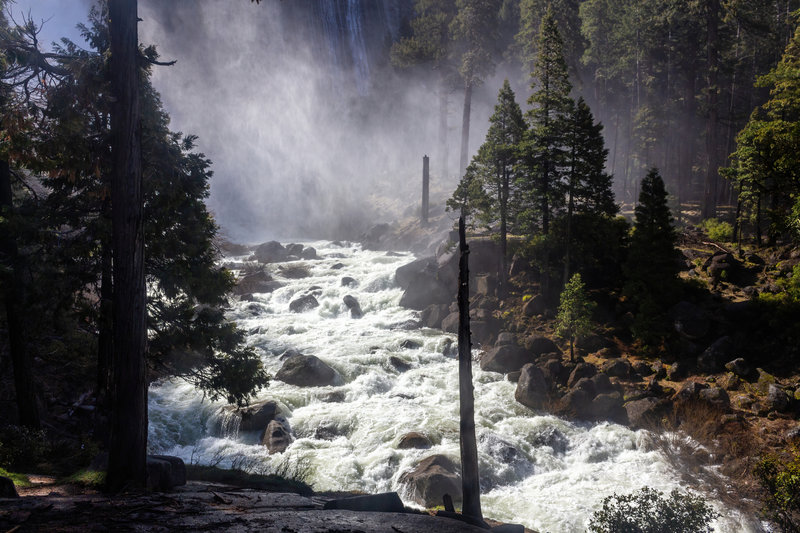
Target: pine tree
column 651, row 269
column 489, row 183
column 574, row 313
column 544, row 148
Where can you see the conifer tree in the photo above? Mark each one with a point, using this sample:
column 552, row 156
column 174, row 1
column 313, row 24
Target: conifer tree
column 489, row 183
column 544, row 147
column 574, row 313
column 651, row 269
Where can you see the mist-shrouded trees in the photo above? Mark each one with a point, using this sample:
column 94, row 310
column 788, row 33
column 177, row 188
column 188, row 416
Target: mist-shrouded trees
column 544, row 147
column 488, row 190
column 766, row 163
column 574, row 313
column 651, row 269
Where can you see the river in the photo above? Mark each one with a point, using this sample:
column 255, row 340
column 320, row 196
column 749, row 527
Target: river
column 544, row 472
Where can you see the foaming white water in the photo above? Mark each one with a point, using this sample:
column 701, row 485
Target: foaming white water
column 538, row 470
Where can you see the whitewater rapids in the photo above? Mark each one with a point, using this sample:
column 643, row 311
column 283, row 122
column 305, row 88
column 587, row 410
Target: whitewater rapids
column 536, row 469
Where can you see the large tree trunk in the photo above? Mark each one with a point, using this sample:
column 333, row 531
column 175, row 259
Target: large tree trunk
column 14, row 303
column 465, row 130
column 128, row 447
column 469, row 447
column 712, row 174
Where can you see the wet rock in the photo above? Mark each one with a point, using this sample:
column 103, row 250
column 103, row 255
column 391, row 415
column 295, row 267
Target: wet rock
column 333, row 397
column 433, row 315
column 711, row 359
column 576, row 403
column 431, row 479
column 450, row 323
column 619, row 368
column 270, row 252
column 406, row 274
column 309, row 254
column 552, row 437
column 277, row 437
column 777, row 399
column 645, row 413
column 398, row 364
column 406, row 325
column 582, row 370
column 689, row 320
column 294, row 271
column 352, row 304
column 505, row 358
column 7, row 488
column 531, row 387
column 535, row 306
column 414, row 440
column 347, row 281
column 303, row 304
column 294, row 249
column 513, row 377
column 537, row 345
column 499, row 448
column 425, row 290
column 257, row 416
column 739, row 367
column 408, row 344
column 307, row 371
column 259, row 281
column 337, row 266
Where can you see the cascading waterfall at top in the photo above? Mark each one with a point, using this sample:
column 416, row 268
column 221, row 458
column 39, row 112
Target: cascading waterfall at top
column 536, row 469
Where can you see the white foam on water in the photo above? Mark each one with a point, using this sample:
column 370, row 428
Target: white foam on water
column 536, row 469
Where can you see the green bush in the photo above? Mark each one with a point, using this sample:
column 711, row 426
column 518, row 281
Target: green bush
column 717, row 230
column 781, row 480
column 650, row 511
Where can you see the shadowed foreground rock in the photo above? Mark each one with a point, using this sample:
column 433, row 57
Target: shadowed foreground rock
column 208, row 507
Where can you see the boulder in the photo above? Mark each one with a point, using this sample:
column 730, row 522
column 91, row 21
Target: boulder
column 7, row 488
column 602, row 384
column 374, row 237
column 541, row 345
column 309, row 254
column 414, row 440
column 450, row 323
column 716, row 396
column 353, row 305
column 689, row 320
column 739, row 367
column 257, row 416
column 608, row 406
column 555, row 372
column 777, row 399
column 303, row 304
column 294, row 249
column 550, row 436
column 409, row 344
column 659, row 370
column 406, row 274
column 689, row 391
column 642, row 368
column 645, row 413
column 270, row 252
column 576, row 403
column 231, row 248
column 730, row 382
column 258, row 281
column 347, row 281
column 431, row 479
column 505, row 358
column 165, row 472
column 677, row 371
column 504, row 337
column 535, row 306
column 713, row 356
column 399, row 364
column 277, row 436
column 765, row 379
column 294, row 271
column 582, row 370
column 425, row 290
column 433, row 315
column 307, row 371
column 619, row 368
column 532, row 387
column 513, row 377
column 587, row 386
column 485, row 285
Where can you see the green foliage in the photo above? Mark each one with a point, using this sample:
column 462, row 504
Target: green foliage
column 717, row 230
column 651, row 269
column 781, row 480
column 87, row 478
column 20, row 480
column 650, row 511
column 21, row 447
column 574, row 312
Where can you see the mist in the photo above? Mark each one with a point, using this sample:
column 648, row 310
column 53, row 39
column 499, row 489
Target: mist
column 313, row 134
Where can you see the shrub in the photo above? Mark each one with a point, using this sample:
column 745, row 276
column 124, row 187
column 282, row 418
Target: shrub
column 650, row 511
column 781, row 480
column 717, row 230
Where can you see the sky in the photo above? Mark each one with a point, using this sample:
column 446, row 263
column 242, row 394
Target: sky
column 58, row 18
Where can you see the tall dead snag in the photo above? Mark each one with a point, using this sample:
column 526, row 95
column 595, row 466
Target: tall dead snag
column 426, row 178
column 128, row 446
column 470, row 484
